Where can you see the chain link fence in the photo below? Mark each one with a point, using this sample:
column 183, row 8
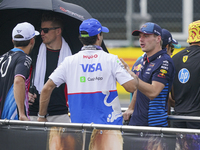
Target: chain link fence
column 111, row 13
column 124, row 16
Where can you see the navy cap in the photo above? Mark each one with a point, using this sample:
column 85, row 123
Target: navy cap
column 92, row 27
column 167, row 39
column 148, row 28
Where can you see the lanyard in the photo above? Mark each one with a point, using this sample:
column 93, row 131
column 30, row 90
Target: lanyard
column 91, row 47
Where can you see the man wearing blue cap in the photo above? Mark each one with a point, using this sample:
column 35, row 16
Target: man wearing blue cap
column 91, row 76
column 156, row 73
column 168, row 42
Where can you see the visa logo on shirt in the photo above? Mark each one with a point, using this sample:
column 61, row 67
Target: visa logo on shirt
column 91, row 67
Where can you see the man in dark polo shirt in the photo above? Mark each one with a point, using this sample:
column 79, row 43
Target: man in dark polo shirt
column 186, row 85
column 156, row 73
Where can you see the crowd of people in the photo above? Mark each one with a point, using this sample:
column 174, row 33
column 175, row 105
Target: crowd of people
column 85, row 83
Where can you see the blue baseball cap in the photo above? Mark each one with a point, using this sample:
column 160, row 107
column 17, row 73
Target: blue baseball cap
column 167, row 39
column 92, row 27
column 148, row 28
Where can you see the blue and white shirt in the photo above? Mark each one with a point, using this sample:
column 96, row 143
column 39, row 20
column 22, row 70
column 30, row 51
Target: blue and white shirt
column 13, row 63
column 160, row 68
column 91, row 77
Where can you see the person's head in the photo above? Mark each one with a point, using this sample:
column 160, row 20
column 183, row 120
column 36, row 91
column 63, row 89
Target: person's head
column 168, row 42
column 91, row 32
column 51, row 27
column 59, row 139
column 149, row 37
column 194, row 32
column 156, row 143
column 106, row 139
column 23, row 35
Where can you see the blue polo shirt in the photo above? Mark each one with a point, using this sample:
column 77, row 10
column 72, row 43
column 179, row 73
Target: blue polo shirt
column 160, row 68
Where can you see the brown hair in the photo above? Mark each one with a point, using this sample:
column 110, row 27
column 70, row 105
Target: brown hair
column 55, row 18
column 20, row 43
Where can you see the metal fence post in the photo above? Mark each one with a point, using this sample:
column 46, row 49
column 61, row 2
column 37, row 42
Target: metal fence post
column 129, row 12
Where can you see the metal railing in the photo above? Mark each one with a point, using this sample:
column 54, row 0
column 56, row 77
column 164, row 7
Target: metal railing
column 123, row 128
column 21, row 131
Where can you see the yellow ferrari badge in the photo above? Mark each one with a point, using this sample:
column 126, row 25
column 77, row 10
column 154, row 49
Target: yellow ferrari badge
column 185, row 58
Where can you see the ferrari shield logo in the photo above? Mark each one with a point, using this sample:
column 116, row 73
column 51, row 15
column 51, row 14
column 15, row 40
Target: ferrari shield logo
column 185, row 58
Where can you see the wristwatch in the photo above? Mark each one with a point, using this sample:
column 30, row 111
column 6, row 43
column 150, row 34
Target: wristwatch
column 43, row 116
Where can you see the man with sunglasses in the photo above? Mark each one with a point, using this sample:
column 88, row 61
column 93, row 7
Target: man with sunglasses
column 186, row 85
column 51, row 53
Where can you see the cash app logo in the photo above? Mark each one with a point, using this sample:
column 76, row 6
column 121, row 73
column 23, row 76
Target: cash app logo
column 82, row 79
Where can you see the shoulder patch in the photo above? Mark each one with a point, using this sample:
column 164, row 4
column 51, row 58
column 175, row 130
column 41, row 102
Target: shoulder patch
column 185, row 58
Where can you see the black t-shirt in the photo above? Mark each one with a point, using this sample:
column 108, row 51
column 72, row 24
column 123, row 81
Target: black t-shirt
column 57, row 104
column 12, row 63
column 187, row 80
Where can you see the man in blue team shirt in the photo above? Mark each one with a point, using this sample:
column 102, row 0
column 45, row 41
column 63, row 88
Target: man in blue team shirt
column 169, row 43
column 156, row 73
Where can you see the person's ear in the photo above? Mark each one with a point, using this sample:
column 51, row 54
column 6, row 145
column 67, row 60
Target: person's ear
column 58, row 31
column 159, row 38
column 167, row 46
column 98, row 36
column 12, row 41
column 32, row 41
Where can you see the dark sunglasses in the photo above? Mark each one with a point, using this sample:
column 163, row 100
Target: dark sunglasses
column 172, row 48
column 46, row 30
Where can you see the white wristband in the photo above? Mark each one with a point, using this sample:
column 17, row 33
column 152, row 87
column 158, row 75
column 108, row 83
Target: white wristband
column 43, row 116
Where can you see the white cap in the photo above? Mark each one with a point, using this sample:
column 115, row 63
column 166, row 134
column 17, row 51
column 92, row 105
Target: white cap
column 24, row 29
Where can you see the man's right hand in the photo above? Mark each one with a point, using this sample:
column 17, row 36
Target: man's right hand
column 31, row 98
column 127, row 114
column 23, row 118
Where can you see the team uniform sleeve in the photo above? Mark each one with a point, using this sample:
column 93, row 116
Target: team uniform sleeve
column 23, row 66
column 120, row 72
column 164, row 73
column 58, row 76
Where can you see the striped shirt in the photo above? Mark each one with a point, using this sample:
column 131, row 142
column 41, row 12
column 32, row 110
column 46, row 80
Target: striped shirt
column 160, row 68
